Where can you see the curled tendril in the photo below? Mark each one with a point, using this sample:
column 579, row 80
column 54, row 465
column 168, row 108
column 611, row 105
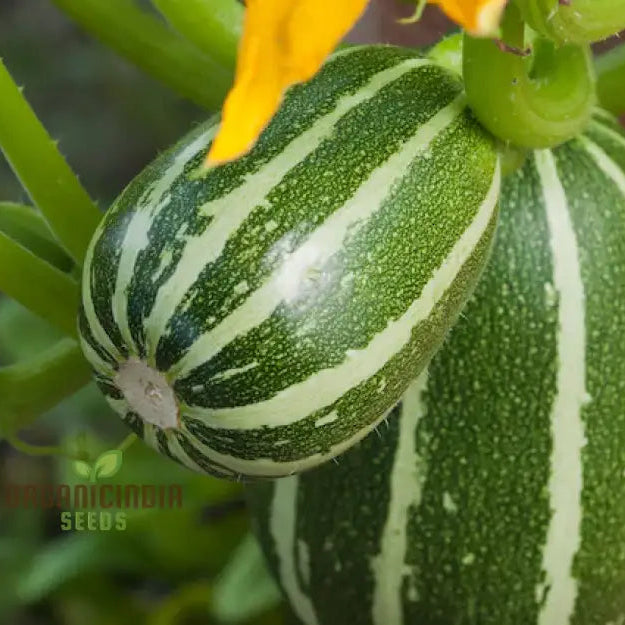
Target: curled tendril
column 574, row 21
column 534, row 98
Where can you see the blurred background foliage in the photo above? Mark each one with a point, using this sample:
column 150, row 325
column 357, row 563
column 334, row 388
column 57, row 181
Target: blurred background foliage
column 197, row 564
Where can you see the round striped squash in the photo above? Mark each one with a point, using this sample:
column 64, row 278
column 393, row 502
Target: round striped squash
column 261, row 317
column 495, row 492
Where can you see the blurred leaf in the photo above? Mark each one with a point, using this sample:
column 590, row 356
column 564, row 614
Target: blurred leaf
column 82, row 469
column 26, row 226
column 108, row 464
column 67, row 558
column 245, row 588
column 34, row 385
column 22, row 334
column 187, row 600
column 97, row 599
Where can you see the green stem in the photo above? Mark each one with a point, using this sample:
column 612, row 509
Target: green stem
column 214, row 26
column 148, row 43
column 535, row 102
column 611, row 80
column 579, row 21
column 39, row 286
column 44, row 173
column 127, row 442
column 41, row 450
column 30, row 387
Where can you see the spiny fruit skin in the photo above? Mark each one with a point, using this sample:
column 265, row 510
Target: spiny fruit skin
column 495, row 492
column 265, row 315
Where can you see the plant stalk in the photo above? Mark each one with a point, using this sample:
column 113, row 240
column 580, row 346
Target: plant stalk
column 38, row 285
column 43, row 171
column 214, row 26
column 577, row 21
column 534, row 101
column 147, row 42
column 30, row 387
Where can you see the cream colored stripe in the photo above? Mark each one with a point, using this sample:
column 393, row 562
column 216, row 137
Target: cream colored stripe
column 609, row 132
column 567, row 427
column 406, row 483
column 153, row 200
column 97, row 331
column 283, row 528
column 149, row 436
column 328, row 385
column 266, row 467
column 605, row 163
column 600, row 112
column 231, row 210
column 346, row 52
column 176, row 449
column 324, row 242
column 99, row 364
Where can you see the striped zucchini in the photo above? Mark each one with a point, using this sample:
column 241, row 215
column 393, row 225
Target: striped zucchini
column 260, row 318
column 495, row 495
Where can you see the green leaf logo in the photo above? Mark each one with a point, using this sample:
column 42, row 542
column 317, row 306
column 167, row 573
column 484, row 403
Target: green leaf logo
column 107, row 465
column 82, row 469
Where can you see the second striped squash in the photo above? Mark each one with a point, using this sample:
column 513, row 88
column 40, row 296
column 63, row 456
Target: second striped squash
column 495, row 493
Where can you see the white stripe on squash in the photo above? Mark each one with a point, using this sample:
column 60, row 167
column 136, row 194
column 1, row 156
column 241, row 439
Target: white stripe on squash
column 176, row 450
column 609, row 132
column 406, row 482
column 153, row 200
column 328, row 385
column 567, row 428
column 323, row 243
column 231, row 210
column 283, row 528
column 98, row 332
column 267, row 467
column 605, row 163
column 99, row 364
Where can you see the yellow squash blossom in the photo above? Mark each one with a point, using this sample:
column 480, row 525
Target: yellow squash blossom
column 286, row 41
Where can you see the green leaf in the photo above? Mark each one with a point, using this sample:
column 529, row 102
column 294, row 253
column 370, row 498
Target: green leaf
column 69, row 557
column 26, row 226
column 38, row 285
column 108, row 464
column 82, row 469
column 43, row 171
column 30, row 387
column 245, row 588
column 214, row 26
column 147, row 42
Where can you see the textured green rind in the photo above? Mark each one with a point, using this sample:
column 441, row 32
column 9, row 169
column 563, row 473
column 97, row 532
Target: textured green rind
column 479, row 503
column 372, row 194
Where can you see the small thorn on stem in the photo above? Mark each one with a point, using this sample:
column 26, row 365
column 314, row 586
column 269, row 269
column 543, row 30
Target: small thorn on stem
column 504, row 47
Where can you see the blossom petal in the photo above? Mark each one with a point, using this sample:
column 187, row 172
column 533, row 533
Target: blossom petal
column 478, row 17
column 284, row 42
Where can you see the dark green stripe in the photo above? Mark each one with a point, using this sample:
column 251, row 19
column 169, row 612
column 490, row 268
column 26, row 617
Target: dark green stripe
column 313, row 190
column 307, row 104
column 392, row 257
column 489, row 398
column 360, row 405
column 85, row 332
